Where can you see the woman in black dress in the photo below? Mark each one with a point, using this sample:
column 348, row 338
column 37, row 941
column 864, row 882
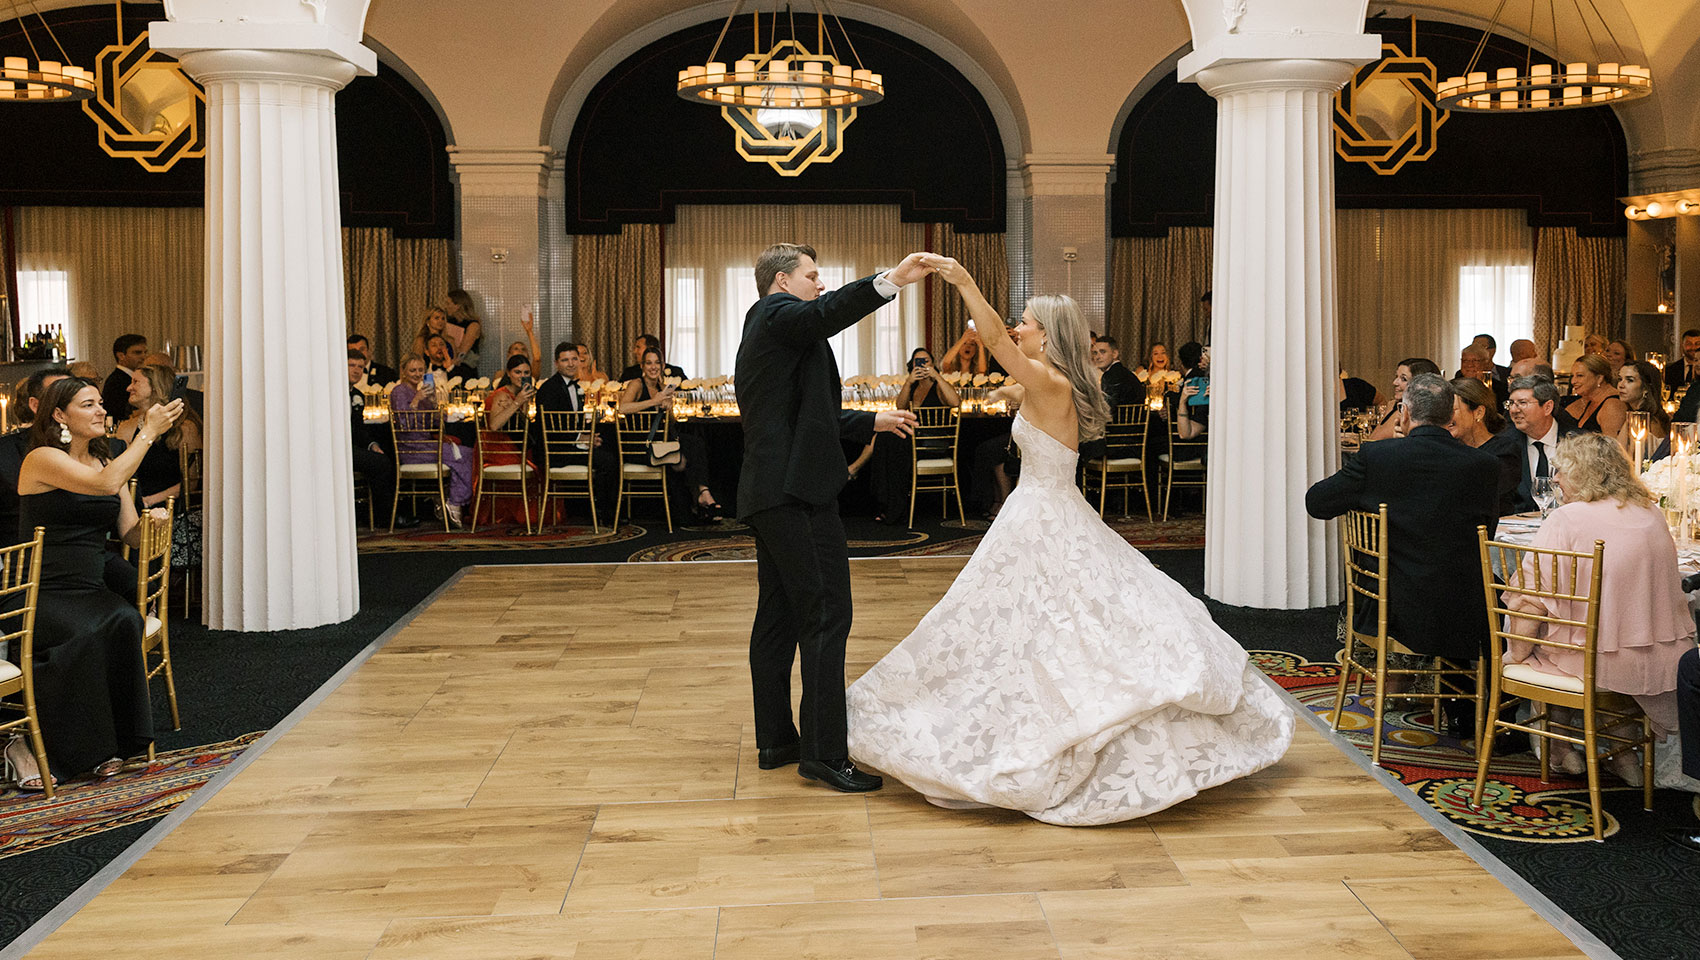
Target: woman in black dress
column 888, row 454
column 650, row 391
column 90, row 687
column 161, row 474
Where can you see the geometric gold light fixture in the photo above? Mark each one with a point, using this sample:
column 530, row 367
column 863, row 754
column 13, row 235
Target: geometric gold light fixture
column 787, row 104
column 145, row 107
column 44, row 81
column 1541, row 87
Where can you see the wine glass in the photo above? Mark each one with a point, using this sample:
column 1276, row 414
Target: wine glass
column 1545, row 495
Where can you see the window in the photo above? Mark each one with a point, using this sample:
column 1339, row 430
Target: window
column 1496, row 300
column 44, row 302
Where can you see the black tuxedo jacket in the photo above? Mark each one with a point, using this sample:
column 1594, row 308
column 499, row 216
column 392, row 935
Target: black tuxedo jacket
column 1676, row 372
column 362, row 433
column 1437, row 490
column 1121, row 386
column 556, row 394
column 1516, row 444
column 789, row 396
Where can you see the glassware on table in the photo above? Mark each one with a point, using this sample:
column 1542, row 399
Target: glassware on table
column 1545, row 494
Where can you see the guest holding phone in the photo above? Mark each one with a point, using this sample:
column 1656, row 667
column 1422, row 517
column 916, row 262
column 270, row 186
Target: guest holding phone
column 888, row 453
column 418, row 391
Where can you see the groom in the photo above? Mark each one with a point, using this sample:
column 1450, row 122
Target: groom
column 789, row 398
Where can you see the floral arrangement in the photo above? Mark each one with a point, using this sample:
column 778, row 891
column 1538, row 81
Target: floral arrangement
column 1673, row 481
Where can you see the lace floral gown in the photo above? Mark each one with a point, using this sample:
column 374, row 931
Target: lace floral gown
column 1063, row 675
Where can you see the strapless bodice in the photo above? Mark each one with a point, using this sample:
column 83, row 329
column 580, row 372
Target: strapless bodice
column 1045, row 462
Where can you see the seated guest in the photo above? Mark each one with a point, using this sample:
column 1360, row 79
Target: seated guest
column 1402, row 374
column 1688, row 721
column 587, row 368
column 1638, row 388
column 966, row 356
column 1477, row 363
column 1644, row 623
column 463, row 328
column 1119, row 384
column 443, row 365
column 91, row 689
column 1158, row 369
column 412, row 394
column 562, row 392
column 1596, row 408
column 128, row 353
column 889, row 453
column 1618, row 353
column 1521, row 350
column 642, row 344
column 1530, row 367
column 650, row 392
column 15, row 444
column 435, row 324
column 513, row 391
column 1438, row 491
column 1487, row 343
column 1684, row 370
column 1594, row 345
column 1534, row 433
column 161, row 472
column 376, row 373
column 371, row 460
column 1192, row 409
column 925, row 387
column 528, row 347
column 180, row 389
column 1476, row 423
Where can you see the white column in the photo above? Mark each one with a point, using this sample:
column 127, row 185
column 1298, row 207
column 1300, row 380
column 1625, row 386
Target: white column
column 1273, row 375
column 279, row 514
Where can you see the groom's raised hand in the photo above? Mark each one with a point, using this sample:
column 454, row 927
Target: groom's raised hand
column 910, row 270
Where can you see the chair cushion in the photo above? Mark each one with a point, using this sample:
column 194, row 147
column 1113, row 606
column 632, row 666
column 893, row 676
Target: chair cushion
column 151, row 627
column 1523, row 673
column 935, row 465
column 1123, row 464
column 508, row 471
column 570, row 471
column 641, row 470
column 9, row 671
column 428, row 470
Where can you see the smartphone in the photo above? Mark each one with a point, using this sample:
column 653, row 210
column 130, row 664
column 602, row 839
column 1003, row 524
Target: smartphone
column 525, row 383
column 1202, row 397
column 180, row 387
column 428, row 381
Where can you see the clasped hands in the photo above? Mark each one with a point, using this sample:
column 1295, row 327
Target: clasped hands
column 917, row 265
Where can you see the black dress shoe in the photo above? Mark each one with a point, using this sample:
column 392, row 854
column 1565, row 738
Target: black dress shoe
column 840, row 775
column 1686, row 839
column 407, row 522
column 772, row 758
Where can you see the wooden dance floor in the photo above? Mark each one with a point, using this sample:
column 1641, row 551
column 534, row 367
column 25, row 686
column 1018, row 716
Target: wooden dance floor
column 558, row 762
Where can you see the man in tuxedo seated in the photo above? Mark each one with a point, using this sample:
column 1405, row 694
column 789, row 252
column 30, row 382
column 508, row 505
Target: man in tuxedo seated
column 1688, row 727
column 439, row 360
column 370, row 458
column 1534, row 433
column 376, row 373
column 562, row 392
column 1500, row 374
column 1684, row 371
column 1119, row 383
column 1438, row 490
column 643, row 343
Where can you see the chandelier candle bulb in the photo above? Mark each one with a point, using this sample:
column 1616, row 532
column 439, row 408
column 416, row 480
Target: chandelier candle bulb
column 17, row 68
column 745, row 71
column 1572, row 96
column 716, row 72
column 1575, row 73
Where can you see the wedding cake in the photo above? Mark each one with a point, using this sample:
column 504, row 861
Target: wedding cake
column 1569, row 351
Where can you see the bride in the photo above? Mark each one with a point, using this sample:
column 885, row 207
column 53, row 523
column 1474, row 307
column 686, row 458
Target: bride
column 1062, row 675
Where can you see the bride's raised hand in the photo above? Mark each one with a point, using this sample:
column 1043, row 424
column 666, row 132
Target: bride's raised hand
column 949, row 270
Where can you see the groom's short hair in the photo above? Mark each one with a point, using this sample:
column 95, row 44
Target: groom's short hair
column 777, row 259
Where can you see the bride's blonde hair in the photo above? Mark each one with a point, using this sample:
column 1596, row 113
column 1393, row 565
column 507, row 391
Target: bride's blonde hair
column 1068, row 344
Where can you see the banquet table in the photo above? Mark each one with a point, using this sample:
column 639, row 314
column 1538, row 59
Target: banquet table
column 1520, row 528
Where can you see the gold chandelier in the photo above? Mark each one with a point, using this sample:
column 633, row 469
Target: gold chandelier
column 787, row 75
column 1546, row 86
column 46, row 80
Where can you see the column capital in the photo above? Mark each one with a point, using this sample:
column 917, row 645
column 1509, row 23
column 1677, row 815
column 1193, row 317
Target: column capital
column 184, row 38
column 1250, row 48
column 1067, row 174
column 214, row 65
column 503, row 171
column 1236, row 76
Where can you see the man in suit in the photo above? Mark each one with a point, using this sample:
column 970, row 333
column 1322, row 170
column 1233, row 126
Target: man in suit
column 562, row 392
column 1119, row 383
column 1688, row 726
column 1534, row 434
column 375, row 372
column 1500, row 374
column 789, row 396
column 1438, row 490
column 1680, row 372
column 370, row 458
column 643, row 343
column 1476, row 362
column 129, row 352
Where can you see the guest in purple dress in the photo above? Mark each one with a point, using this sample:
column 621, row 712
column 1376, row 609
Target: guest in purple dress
column 412, row 394
column 1645, row 626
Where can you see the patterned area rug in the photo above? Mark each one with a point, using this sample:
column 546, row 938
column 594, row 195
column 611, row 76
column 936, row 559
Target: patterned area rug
column 1516, row 804
column 83, row 807
column 501, row 536
column 742, row 547
column 1180, row 533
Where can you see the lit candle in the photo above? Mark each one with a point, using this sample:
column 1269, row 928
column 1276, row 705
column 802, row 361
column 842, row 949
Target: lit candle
column 1638, row 424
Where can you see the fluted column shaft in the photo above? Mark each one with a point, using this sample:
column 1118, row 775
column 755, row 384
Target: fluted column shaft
column 279, row 522
column 1273, row 414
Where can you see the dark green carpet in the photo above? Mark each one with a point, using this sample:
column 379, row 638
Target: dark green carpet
column 1636, row 892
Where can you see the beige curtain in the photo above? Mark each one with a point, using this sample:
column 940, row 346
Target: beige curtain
column 1421, row 283
column 710, row 281
column 107, row 271
column 616, row 291
column 390, row 283
column 1578, row 281
column 986, row 257
column 1155, row 283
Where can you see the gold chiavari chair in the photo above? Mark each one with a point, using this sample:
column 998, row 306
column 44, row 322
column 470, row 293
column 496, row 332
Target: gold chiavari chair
column 501, row 460
column 1185, row 460
column 1570, row 579
column 419, row 434
column 20, row 577
column 1122, row 467
column 1364, row 552
column 932, row 459
column 153, row 600
column 638, row 477
column 569, row 453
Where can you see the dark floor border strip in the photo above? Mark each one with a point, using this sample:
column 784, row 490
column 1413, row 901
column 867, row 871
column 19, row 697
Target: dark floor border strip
column 53, row 919
column 1579, row 935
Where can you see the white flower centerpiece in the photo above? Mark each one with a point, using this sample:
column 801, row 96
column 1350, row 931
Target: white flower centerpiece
column 1675, row 481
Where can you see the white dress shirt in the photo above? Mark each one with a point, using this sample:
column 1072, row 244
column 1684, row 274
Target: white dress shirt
column 1549, row 441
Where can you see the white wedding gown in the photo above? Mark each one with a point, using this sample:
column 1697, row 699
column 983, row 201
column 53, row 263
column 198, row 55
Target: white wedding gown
column 1063, row 675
